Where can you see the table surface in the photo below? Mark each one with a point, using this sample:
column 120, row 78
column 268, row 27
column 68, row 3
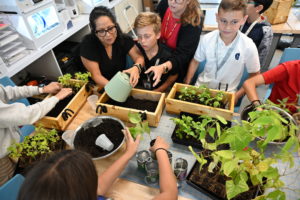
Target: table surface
column 291, row 26
column 122, row 189
column 131, row 177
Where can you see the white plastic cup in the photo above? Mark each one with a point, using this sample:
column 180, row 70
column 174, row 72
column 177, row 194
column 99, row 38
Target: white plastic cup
column 103, row 142
column 92, row 99
column 68, row 136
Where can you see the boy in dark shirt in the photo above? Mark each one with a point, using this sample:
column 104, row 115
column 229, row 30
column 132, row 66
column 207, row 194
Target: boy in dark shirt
column 259, row 29
column 147, row 26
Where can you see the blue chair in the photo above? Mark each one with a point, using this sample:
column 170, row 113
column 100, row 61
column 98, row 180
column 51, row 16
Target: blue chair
column 10, row 190
column 26, row 129
column 243, row 79
column 129, row 62
column 290, row 54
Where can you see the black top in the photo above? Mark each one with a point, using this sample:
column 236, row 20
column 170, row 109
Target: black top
column 92, row 49
column 256, row 34
column 163, row 55
column 187, row 42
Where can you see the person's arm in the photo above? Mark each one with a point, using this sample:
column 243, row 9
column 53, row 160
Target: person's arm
column 108, row 177
column 250, row 86
column 18, row 114
column 167, row 179
column 241, row 91
column 93, row 67
column 134, row 71
column 191, row 71
column 170, row 80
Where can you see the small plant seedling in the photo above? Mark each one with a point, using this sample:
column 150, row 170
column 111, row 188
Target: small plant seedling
column 140, row 126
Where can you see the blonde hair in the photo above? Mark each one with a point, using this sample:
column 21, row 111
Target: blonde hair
column 146, row 19
column 192, row 14
column 233, row 5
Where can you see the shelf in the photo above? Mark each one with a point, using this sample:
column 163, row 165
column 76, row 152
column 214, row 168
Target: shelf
column 78, row 23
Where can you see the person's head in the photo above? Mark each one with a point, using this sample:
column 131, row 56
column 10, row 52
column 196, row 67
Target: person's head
column 69, row 174
column 104, row 25
column 255, row 7
column 231, row 15
column 188, row 11
column 147, row 26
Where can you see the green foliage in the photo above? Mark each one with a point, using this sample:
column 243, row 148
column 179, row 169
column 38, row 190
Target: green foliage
column 140, row 126
column 43, row 141
column 201, row 95
column 66, row 81
column 242, row 164
column 198, row 129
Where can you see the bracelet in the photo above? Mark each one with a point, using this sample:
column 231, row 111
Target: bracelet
column 139, row 67
column 253, row 102
column 160, row 149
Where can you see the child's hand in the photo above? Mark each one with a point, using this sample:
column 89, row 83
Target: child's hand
column 63, row 93
column 52, row 88
column 159, row 143
column 158, row 71
column 131, row 145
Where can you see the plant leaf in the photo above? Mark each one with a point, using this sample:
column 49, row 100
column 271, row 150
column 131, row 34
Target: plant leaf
column 233, row 189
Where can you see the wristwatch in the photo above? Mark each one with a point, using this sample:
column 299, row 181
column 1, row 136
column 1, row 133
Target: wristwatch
column 139, row 66
column 166, row 70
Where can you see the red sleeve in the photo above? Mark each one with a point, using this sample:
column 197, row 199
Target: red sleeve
column 276, row 74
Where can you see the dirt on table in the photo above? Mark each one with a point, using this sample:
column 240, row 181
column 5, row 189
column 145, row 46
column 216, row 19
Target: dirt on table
column 136, row 104
column 85, row 139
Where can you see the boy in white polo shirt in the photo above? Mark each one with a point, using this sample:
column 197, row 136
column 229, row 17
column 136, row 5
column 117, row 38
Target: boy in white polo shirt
column 227, row 51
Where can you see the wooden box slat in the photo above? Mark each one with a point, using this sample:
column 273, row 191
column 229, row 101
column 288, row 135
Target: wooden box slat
column 75, row 104
column 176, row 106
column 122, row 112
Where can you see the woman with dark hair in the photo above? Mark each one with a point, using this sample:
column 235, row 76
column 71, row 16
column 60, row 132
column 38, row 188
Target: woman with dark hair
column 180, row 31
column 71, row 175
column 103, row 52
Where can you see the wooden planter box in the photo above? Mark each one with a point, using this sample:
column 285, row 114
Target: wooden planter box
column 176, row 106
column 122, row 112
column 279, row 11
column 75, row 104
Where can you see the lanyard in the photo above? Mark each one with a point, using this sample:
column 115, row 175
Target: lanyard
column 229, row 51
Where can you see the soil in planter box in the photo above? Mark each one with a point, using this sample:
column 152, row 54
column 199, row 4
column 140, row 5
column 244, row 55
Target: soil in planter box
column 136, row 104
column 196, row 100
column 85, row 139
column 59, row 107
column 213, row 184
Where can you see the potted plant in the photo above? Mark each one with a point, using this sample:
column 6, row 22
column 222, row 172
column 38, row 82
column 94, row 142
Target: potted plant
column 200, row 100
column 140, row 101
column 35, row 147
column 190, row 129
column 241, row 172
column 61, row 115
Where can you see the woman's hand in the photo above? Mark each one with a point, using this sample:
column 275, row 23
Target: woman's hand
column 134, row 75
column 158, row 71
column 52, row 88
column 131, row 145
column 159, row 143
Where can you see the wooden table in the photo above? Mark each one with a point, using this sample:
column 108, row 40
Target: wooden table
column 291, row 26
column 122, row 189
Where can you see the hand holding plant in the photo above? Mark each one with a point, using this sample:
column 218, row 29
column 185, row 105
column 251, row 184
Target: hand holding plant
column 131, row 144
column 52, row 88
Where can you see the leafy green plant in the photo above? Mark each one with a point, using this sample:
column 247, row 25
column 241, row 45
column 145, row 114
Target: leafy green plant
column 66, row 80
column 243, row 166
column 140, row 127
column 198, row 129
column 201, row 95
column 33, row 147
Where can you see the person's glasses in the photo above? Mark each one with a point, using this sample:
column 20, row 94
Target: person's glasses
column 252, row 2
column 178, row 1
column 103, row 32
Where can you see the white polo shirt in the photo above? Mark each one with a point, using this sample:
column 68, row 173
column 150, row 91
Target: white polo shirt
column 244, row 55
